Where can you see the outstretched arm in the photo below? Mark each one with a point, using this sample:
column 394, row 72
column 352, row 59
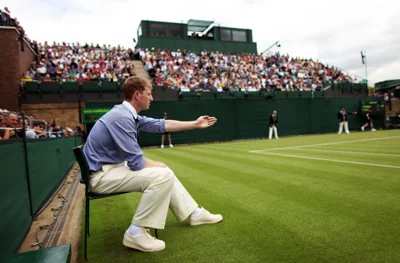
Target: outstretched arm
column 6, row 134
column 201, row 123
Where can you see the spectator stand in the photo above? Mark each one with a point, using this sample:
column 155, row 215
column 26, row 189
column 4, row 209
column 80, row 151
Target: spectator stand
column 209, row 71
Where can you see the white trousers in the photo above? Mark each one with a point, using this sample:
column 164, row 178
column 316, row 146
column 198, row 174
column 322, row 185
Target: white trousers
column 274, row 130
column 160, row 187
column 346, row 127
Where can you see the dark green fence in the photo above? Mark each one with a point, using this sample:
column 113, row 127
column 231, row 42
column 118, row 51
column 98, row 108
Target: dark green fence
column 48, row 161
column 26, row 188
column 249, row 118
column 15, row 212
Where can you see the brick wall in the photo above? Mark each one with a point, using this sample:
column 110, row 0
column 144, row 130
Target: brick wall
column 395, row 108
column 65, row 114
column 13, row 64
column 25, row 58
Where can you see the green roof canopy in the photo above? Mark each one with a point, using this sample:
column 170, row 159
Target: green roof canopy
column 388, row 84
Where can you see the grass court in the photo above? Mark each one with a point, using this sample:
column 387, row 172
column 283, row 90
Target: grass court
column 317, row 198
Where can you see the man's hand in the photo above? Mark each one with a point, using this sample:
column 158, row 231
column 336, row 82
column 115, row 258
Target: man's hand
column 160, row 164
column 150, row 163
column 204, row 122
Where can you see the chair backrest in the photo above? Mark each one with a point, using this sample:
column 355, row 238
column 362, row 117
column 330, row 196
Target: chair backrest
column 81, row 159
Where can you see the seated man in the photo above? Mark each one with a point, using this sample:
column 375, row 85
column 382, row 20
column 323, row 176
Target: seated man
column 118, row 165
column 37, row 131
column 10, row 122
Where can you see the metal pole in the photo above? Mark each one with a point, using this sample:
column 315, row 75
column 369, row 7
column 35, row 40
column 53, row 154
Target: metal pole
column 79, row 111
column 366, row 75
column 27, row 165
column 276, row 43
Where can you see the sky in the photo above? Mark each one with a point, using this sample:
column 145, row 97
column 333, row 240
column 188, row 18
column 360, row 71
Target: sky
column 333, row 32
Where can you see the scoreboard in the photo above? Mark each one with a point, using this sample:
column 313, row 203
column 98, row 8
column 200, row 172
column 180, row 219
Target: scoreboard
column 377, row 106
column 92, row 115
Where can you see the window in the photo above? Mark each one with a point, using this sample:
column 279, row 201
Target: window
column 176, row 31
column 239, row 36
column 140, row 31
column 225, row 34
column 158, row 30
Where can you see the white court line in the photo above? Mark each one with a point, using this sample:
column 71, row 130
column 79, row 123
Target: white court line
column 322, row 144
column 366, row 153
column 330, row 160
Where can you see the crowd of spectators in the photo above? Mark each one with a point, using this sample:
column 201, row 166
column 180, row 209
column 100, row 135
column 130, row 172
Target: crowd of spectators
column 73, row 62
column 184, row 70
column 216, row 71
column 11, row 127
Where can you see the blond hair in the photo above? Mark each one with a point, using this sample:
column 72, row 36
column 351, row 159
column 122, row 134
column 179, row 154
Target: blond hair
column 133, row 84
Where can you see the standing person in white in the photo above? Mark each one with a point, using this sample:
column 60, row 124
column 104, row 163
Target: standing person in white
column 343, row 121
column 117, row 165
column 273, row 124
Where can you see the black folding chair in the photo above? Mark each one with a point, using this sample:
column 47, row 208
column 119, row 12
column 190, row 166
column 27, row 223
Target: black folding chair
column 85, row 176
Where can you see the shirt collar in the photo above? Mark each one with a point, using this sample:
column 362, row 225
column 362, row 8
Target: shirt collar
column 131, row 109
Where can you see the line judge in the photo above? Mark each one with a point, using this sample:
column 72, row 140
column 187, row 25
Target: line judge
column 118, row 165
column 273, row 124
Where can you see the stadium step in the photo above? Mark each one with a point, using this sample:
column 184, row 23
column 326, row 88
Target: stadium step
column 140, row 70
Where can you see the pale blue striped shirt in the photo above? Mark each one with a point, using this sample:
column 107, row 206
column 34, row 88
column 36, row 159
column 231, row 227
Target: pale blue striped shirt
column 114, row 138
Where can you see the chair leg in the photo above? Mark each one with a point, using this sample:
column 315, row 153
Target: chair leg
column 88, row 217
column 86, row 226
column 155, row 230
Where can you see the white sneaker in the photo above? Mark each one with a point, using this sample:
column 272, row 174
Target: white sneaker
column 373, row 129
column 144, row 242
column 171, row 146
column 362, row 128
column 204, row 218
column 162, row 146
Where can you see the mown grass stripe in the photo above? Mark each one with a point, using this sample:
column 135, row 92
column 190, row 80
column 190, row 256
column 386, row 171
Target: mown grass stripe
column 305, row 176
column 328, row 143
column 331, row 160
column 351, row 152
